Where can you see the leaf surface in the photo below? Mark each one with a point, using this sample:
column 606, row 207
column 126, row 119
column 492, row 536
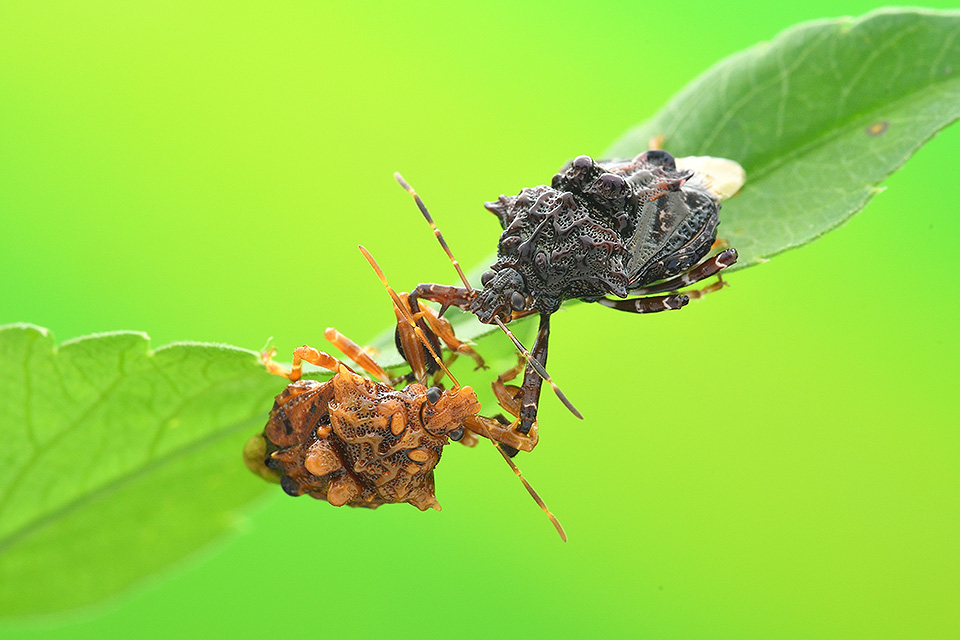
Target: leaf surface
column 117, row 460
column 818, row 117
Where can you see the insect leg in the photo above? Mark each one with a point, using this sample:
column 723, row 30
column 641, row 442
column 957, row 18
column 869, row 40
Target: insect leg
column 448, row 296
column 406, row 338
column 716, row 285
column 356, row 353
column 505, row 434
column 647, row 305
column 409, row 344
column 701, row 271
column 444, row 330
column 403, row 307
column 509, row 396
column 445, row 295
column 307, row 353
column 314, row 357
column 532, row 380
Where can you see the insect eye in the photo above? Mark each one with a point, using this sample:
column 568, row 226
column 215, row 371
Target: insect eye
column 433, row 395
column 487, row 277
column 517, row 301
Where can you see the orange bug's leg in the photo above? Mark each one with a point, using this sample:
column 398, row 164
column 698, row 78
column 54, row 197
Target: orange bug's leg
column 356, row 353
column 720, row 243
column 444, row 330
column 413, row 349
column 311, row 355
column 655, row 143
column 508, row 396
column 266, row 357
column 720, row 283
column 314, row 357
column 503, row 433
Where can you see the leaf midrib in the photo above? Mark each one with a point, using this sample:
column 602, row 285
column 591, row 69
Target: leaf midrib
column 757, row 174
column 41, row 451
column 120, row 482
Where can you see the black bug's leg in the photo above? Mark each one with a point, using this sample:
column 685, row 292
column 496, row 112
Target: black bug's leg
column 647, row 305
column 532, row 381
column 704, row 270
column 444, row 295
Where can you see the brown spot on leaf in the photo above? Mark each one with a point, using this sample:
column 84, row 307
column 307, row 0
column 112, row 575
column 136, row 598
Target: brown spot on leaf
column 878, row 128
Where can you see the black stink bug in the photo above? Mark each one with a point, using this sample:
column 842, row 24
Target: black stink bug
column 635, row 229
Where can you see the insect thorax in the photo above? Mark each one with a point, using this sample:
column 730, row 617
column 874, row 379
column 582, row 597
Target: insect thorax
column 598, row 229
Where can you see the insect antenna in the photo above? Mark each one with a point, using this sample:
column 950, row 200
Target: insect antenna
column 533, row 493
column 436, row 231
column 406, row 314
column 541, row 371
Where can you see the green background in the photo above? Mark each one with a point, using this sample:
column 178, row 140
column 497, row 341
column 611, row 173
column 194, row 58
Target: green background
column 776, row 461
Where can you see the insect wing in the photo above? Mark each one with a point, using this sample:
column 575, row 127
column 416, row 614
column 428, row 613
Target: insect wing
column 674, row 231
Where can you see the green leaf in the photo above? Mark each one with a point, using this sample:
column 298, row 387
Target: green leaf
column 818, row 117
column 117, row 460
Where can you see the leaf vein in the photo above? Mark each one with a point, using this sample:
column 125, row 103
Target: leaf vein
column 49, row 518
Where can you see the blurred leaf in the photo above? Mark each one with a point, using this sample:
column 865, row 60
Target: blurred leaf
column 818, row 117
column 117, row 460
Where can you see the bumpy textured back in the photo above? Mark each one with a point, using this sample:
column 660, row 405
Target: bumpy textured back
column 604, row 228
column 353, row 441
